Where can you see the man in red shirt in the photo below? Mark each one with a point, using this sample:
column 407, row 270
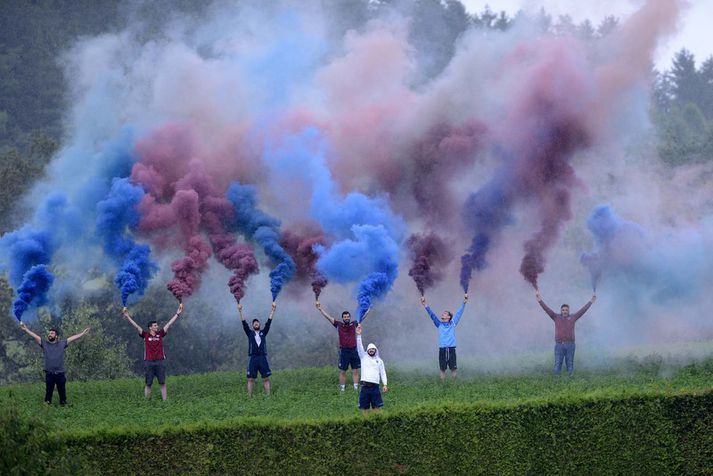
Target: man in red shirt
column 348, row 355
column 153, row 350
column 564, row 332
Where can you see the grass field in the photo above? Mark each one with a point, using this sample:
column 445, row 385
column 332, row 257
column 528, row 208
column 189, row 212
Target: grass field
column 311, row 394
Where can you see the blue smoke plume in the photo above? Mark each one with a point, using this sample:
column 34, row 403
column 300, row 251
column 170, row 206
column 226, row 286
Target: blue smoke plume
column 264, row 229
column 29, row 251
column 117, row 214
column 368, row 232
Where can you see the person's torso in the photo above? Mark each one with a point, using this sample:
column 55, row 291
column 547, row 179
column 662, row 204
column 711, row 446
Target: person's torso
column 447, row 334
column 564, row 328
column 347, row 334
column 153, row 346
column 54, row 355
column 257, row 343
column 371, row 369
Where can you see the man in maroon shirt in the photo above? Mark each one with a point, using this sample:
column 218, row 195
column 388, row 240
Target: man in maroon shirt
column 153, row 350
column 564, row 332
column 348, row 355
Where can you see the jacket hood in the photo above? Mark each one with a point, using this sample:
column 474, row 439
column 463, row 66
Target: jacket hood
column 372, row 346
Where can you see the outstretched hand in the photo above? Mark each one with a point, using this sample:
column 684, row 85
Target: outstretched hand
column 594, row 297
column 274, row 305
column 423, row 300
column 180, row 309
column 358, row 329
column 240, row 307
column 465, row 297
column 538, row 295
column 386, row 389
column 23, row 326
column 86, row 331
column 318, row 305
column 125, row 311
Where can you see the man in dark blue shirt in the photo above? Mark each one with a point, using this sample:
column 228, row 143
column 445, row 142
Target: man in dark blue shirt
column 257, row 350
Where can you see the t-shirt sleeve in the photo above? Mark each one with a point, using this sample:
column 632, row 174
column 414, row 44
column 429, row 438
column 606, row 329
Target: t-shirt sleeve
column 161, row 332
column 335, row 324
column 66, row 344
column 42, row 343
column 143, row 334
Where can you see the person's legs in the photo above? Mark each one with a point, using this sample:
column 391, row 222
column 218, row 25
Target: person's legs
column 49, row 387
column 266, row 385
column 452, row 362
column 559, row 356
column 61, row 388
column 342, row 379
column 442, row 362
column 569, row 358
column 148, row 374
column 251, row 386
column 161, row 376
column 355, row 378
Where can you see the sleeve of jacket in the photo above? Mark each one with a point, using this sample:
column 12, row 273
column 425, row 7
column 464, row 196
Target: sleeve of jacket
column 547, row 309
column 433, row 316
column 246, row 328
column 459, row 314
column 360, row 347
column 267, row 327
column 382, row 372
column 581, row 312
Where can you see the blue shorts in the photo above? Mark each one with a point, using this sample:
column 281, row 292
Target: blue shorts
column 258, row 363
column 347, row 357
column 370, row 397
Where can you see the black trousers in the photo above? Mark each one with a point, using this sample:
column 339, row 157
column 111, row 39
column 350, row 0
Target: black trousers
column 52, row 379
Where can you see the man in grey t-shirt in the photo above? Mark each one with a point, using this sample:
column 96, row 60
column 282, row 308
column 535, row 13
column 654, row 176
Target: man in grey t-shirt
column 53, row 349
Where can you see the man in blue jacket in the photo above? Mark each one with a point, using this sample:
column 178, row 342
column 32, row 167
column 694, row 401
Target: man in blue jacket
column 257, row 350
column 446, row 326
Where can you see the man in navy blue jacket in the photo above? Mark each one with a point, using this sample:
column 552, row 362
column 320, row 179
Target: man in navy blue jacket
column 257, row 350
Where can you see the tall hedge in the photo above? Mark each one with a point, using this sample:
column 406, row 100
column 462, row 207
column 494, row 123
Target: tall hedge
column 627, row 435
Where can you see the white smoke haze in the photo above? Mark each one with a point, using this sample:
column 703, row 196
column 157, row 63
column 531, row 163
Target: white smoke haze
column 237, row 75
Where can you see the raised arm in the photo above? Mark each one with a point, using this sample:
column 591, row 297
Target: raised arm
column 318, row 305
column 585, row 308
column 125, row 312
column 27, row 330
column 544, row 306
column 430, row 312
column 360, row 346
column 246, row 328
column 173, row 319
column 71, row 339
column 459, row 312
column 272, row 311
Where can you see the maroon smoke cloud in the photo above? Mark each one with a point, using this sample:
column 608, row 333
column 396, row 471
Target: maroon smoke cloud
column 300, row 246
column 181, row 196
column 430, row 255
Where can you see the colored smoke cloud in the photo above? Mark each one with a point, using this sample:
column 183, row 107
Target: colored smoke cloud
column 302, row 247
column 429, row 255
column 117, row 217
column 264, row 230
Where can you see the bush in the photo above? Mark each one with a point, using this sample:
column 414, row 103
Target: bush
column 27, row 448
column 627, row 435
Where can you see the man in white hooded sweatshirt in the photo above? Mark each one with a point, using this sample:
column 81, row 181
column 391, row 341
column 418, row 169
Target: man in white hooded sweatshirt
column 372, row 369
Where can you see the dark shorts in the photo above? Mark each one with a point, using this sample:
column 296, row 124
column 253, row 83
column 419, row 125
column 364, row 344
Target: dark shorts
column 447, row 358
column 370, row 397
column 349, row 357
column 258, row 363
column 154, row 368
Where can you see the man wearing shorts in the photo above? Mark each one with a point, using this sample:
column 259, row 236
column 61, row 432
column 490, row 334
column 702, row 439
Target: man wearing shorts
column 257, row 350
column 372, row 371
column 153, row 351
column 446, row 326
column 348, row 355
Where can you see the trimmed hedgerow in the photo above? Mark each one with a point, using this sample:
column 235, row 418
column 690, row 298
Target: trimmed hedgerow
column 640, row 434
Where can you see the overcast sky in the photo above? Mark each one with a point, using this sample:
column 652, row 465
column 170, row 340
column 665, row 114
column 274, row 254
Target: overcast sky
column 695, row 30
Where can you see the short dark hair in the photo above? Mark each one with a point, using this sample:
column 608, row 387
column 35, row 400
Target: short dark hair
column 346, row 313
column 53, row 329
column 258, row 320
column 564, row 305
column 151, row 323
column 450, row 314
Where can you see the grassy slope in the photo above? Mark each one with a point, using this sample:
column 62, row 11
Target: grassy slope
column 312, row 395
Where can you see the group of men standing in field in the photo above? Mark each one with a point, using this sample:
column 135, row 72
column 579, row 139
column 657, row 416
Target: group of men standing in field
column 351, row 350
